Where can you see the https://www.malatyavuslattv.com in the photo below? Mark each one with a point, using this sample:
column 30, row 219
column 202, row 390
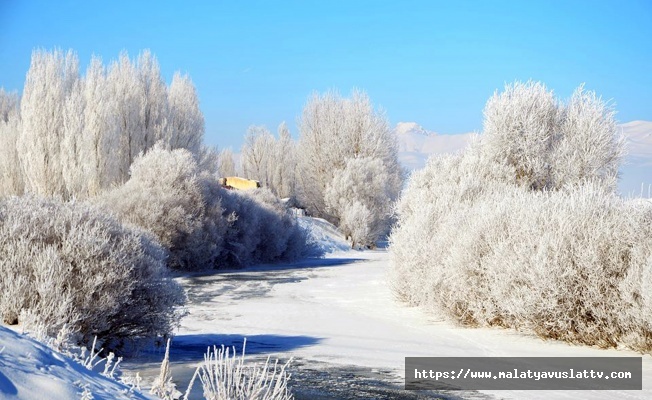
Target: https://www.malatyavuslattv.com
column 523, row 373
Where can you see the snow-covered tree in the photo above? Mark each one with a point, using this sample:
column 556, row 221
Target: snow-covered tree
column 333, row 131
column 202, row 225
column 283, row 166
column 262, row 229
column 226, row 163
column 167, row 196
column 79, row 135
column 208, row 159
column 185, row 119
column 361, row 195
column 122, row 82
column 269, row 160
column 73, row 160
column 11, row 174
column 551, row 144
column 520, row 129
column 100, row 139
column 49, row 82
column 154, row 102
column 9, row 104
column 257, row 155
column 589, row 146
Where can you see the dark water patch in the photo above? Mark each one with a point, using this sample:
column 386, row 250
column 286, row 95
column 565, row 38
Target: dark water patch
column 307, row 263
column 194, row 346
column 322, row 381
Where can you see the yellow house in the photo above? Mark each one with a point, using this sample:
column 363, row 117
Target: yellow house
column 235, row 182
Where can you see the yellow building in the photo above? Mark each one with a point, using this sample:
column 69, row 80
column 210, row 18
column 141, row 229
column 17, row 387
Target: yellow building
column 234, row 182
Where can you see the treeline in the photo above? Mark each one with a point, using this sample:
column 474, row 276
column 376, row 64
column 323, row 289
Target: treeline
column 73, row 136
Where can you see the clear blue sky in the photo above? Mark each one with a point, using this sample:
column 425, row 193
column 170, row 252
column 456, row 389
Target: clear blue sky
column 432, row 62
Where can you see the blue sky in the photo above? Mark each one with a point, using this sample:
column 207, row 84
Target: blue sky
column 432, row 62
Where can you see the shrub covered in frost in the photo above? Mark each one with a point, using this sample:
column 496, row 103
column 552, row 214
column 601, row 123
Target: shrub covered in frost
column 530, row 238
column 201, row 224
column 168, row 196
column 261, row 229
column 71, row 264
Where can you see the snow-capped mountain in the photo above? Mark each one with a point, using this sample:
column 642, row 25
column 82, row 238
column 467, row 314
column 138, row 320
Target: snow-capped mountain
column 636, row 169
column 416, row 144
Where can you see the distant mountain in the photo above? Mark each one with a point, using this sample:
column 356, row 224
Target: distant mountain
column 636, row 171
column 416, row 144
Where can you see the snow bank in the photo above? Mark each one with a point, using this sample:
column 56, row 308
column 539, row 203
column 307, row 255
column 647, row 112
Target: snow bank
column 31, row 370
column 326, row 237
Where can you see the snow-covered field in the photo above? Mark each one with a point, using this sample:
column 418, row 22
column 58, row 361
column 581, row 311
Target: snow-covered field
column 336, row 311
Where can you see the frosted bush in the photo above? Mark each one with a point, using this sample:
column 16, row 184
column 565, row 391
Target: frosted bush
column 70, row 265
column 532, row 238
column 168, row 196
column 201, row 224
column 262, row 229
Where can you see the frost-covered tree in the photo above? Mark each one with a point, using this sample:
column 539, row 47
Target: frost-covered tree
column 261, row 229
column 202, row 225
column 154, row 102
column 257, row 155
column 79, row 135
column 73, row 159
column 520, row 129
column 208, row 159
column 185, row 119
column 11, row 173
column 48, row 84
column 283, row 167
column 333, row 131
column 226, row 163
column 100, row 138
column 167, row 196
column 269, row 160
column 140, row 104
column 9, row 104
column 551, row 144
column 589, row 146
column 361, row 195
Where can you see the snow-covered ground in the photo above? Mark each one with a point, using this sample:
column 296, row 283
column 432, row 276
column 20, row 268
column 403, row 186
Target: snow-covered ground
column 30, row 370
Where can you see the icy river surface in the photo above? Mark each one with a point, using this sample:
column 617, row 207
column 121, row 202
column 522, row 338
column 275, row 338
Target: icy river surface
column 349, row 337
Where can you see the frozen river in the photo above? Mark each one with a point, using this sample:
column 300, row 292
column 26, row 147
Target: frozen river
column 336, row 316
